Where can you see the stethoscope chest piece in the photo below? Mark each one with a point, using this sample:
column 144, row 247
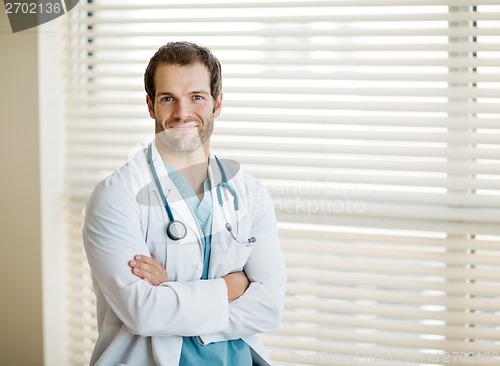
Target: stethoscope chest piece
column 176, row 230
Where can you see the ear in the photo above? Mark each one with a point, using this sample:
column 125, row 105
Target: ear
column 151, row 107
column 218, row 105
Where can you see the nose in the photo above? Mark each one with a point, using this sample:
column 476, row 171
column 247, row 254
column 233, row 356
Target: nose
column 182, row 110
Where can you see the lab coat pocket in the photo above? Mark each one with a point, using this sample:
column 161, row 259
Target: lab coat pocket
column 227, row 255
column 237, row 256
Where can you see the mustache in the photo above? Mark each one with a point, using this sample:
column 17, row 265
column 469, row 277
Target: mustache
column 177, row 121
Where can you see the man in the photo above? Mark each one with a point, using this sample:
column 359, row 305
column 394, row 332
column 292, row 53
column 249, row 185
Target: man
column 182, row 245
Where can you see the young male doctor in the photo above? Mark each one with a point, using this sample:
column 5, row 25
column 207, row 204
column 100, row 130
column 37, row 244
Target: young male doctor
column 183, row 245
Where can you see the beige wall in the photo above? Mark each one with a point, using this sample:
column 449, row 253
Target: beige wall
column 21, row 332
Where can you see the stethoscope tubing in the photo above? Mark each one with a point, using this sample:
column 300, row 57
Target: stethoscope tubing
column 176, row 229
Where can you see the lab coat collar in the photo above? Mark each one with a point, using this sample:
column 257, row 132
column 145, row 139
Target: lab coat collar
column 177, row 203
column 218, row 222
column 213, row 172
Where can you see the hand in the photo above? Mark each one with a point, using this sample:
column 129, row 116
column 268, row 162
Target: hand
column 148, row 269
column 237, row 283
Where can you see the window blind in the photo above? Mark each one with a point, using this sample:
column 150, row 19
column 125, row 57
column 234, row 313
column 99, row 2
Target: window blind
column 375, row 127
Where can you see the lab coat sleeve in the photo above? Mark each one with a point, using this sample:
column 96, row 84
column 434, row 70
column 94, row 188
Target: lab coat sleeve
column 260, row 308
column 112, row 235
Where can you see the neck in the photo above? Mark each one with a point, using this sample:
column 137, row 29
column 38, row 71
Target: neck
column 192, row 166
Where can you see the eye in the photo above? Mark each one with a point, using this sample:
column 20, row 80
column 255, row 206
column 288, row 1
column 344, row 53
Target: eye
column 166, row 99
column 198, row 97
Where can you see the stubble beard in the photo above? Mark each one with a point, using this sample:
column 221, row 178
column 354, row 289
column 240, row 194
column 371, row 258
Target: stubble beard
column 187, row 143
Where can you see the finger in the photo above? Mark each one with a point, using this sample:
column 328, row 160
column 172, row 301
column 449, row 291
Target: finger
column 145, row 259
column 146, row 264
column 155, row 273
column 142, row 259
column 150, row 265
column 154, row 270
column 140, row 269
column 147, row 276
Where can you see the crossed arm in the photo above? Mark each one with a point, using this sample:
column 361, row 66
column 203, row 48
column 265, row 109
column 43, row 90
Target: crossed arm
column 214, row 309
column 150, row 271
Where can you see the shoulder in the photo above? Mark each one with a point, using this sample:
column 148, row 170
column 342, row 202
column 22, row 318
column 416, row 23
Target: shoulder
column 122, row 183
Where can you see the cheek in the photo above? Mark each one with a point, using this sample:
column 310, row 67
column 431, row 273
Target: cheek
column 160, row 124
column 208, row 126
column 163, row 116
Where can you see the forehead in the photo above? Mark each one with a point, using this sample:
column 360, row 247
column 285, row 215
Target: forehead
column 181, row 78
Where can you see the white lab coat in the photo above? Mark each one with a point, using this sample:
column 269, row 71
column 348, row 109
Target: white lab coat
column 140, row 324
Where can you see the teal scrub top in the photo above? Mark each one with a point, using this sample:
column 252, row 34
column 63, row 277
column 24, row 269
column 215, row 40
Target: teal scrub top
column 225, row 353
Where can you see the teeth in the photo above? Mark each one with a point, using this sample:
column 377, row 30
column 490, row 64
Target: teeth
column 186, row 125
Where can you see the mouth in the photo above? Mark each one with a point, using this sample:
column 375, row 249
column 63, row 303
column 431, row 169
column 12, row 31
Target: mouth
column 186, row 126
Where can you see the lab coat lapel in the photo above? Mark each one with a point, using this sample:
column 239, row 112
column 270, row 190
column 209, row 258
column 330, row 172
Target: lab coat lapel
column 177, row 204
column 220, row 237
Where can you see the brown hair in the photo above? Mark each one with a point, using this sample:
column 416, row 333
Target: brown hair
column 184, row 53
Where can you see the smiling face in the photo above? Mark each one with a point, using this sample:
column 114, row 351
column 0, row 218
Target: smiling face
column 183, row 108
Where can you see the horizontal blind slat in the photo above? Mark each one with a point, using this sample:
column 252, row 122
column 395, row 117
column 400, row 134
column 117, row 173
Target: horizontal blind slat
column 321, row 98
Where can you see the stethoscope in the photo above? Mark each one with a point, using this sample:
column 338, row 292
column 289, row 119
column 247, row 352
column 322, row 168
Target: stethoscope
column 176, row 229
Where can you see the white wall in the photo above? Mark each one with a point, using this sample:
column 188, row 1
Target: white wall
column 32, row 304
column 54, row 255
column 21, row 339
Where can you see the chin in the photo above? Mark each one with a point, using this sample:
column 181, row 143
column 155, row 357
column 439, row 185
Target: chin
column 180, row 145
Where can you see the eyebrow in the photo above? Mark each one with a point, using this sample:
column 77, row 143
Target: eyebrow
column 163, row 93
column 159, row 94
column 200, row 92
